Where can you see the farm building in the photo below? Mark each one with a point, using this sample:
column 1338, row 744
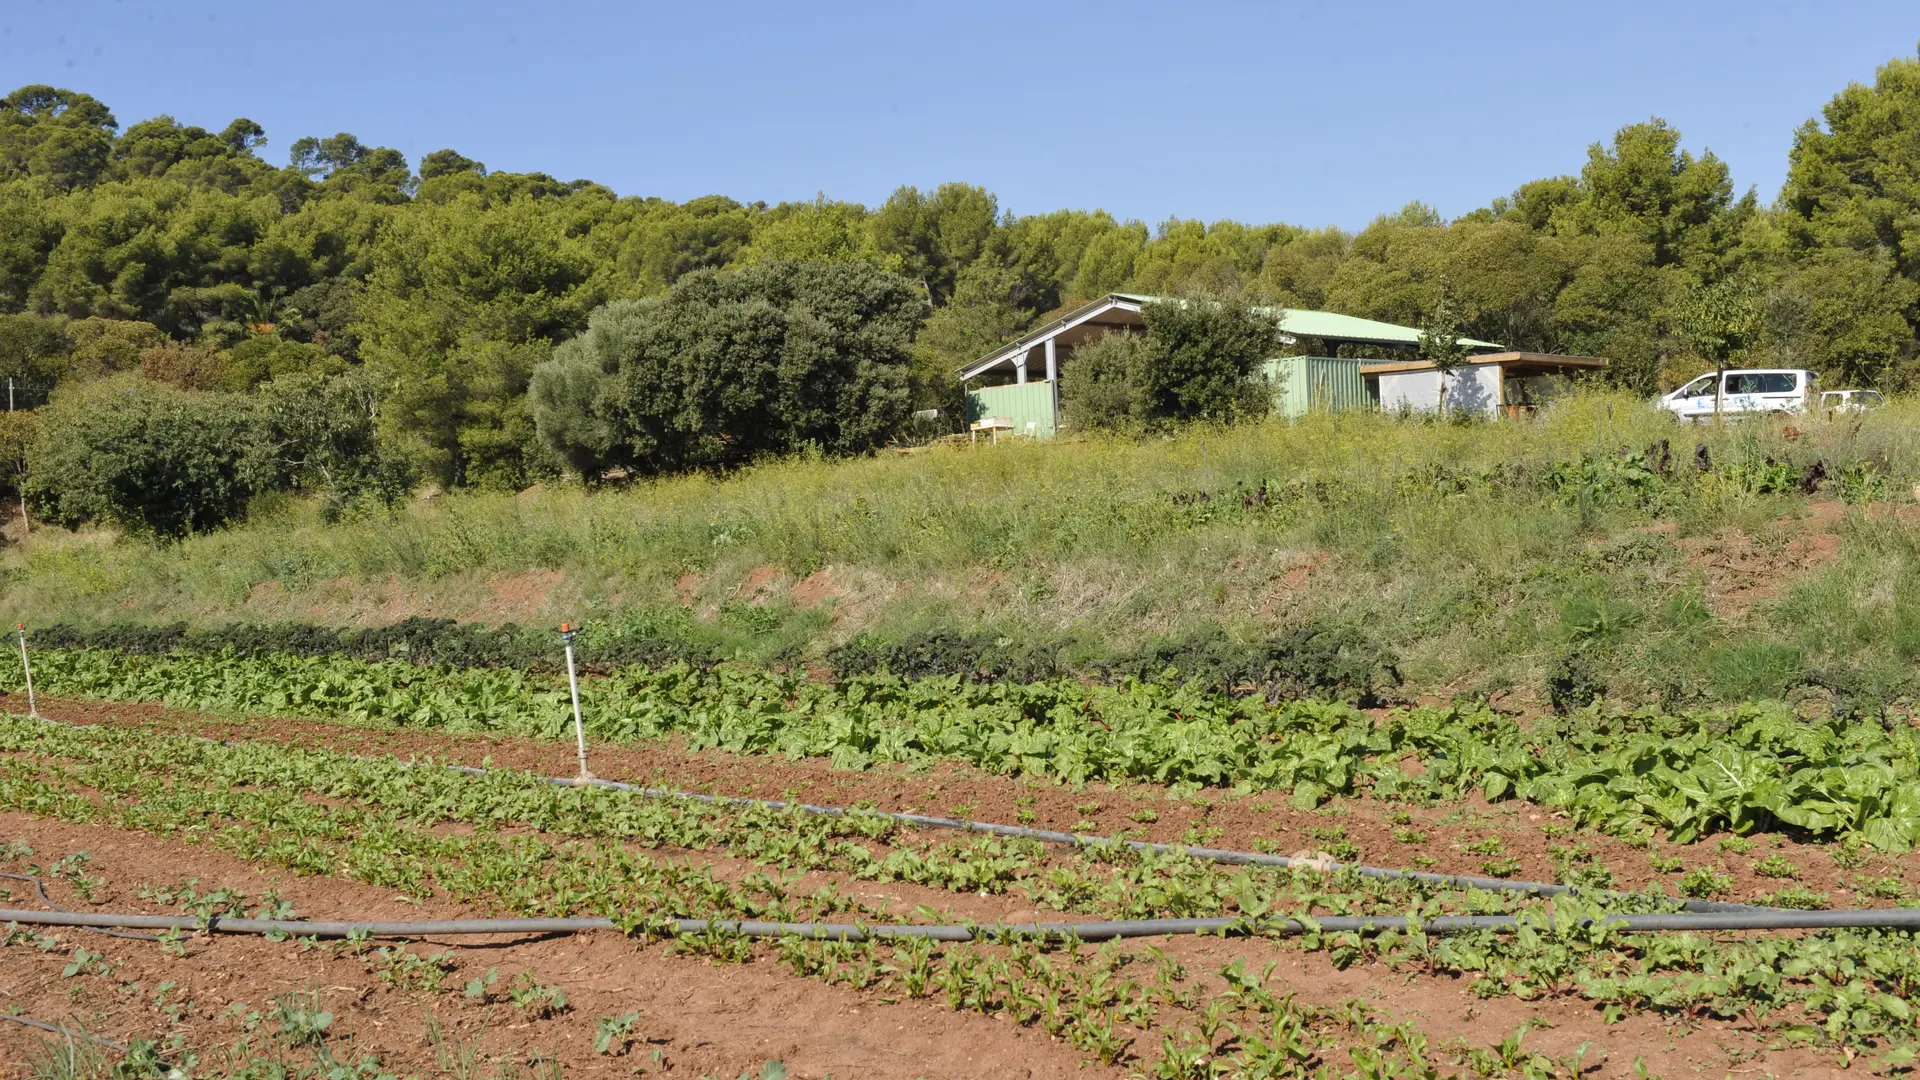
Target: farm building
column 1489, row 384
column 1022, row 379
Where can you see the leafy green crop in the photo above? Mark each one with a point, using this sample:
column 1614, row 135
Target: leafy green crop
column 1756, row 768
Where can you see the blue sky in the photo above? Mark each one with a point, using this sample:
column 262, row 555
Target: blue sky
column 1324, row 113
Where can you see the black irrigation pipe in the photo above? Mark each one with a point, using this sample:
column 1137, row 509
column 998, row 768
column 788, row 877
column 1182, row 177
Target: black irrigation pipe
column 1204, row 854
column 41, row 888
column 1050, row 836
column 70, row 1033
column 1868, row 918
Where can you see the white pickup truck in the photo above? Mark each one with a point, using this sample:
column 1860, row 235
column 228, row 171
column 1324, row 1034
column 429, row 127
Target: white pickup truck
column 1746, row 392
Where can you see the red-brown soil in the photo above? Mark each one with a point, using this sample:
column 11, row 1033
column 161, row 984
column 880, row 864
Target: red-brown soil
column 723, row 1020
column 1527, row 833
column 705, row 1019
column 1743, row 571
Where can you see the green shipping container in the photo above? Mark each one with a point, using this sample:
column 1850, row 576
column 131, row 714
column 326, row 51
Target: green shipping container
column 1021, row 403
column 1304, row 384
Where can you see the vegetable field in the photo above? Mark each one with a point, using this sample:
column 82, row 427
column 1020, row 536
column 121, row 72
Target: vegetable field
column 312, row 788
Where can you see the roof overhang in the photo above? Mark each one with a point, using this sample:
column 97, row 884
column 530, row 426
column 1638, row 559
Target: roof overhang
column 1516, row 363
column 1123, row 310
column 1112, row 311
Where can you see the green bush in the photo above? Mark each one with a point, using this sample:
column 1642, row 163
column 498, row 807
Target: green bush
column 1199, row 360
column 728, row 367
column 1205, row 360
column 1097, row 389
column 147, row 458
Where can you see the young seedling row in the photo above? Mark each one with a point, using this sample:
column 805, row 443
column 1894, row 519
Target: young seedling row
column 511, row 843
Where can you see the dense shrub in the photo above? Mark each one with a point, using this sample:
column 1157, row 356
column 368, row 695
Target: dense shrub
column 1319, row 662
column 729, row 366
column 165, row 462
column 1199, row 360
column 148, row 458
column 977, row 657
column 1097, row 388
column 1205, row 361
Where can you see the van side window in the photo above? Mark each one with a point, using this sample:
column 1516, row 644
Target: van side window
column 1777, row 382
column 1699, row 387
column 1743, row 384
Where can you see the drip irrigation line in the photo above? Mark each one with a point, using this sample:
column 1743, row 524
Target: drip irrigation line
column 1867, row 918
column 41, row 888
column 1204, row 854
column 71, row 1033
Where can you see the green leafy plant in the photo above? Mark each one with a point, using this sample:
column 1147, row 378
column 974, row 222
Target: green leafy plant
column 614, row 1034
column 1705, row 883
column 534, row 1000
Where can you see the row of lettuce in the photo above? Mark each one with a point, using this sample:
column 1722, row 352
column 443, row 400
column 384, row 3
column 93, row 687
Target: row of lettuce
column 1758, row 767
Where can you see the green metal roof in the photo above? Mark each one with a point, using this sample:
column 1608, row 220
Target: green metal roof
column 1337, row 327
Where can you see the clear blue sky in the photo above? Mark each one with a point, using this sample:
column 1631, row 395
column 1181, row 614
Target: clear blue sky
column 1322, row 113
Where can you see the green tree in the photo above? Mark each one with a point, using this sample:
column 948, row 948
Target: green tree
column 448, row 163
column 343, row 160
column 1204, row 362
column 1855, row 182
column 58, row 136
column 821, row 229
column 463, row 300
column 152, row 460
column 936, row 236
column 18, row 430
column 33, row 349
column 1097, row 390
column 1843, row 313
column 29, row 230
column 1683, row 206
column 1722, row 320
column 986, row 310
column 653, row 243
column 730, row 366
column 318, row 434
column 1440, row 343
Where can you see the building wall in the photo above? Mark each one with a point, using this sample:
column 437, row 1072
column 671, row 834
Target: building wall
column 1303, row 384
column 1022, row 403
column 1470, row 389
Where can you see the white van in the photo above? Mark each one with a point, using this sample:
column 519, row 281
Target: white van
column 1747, row 391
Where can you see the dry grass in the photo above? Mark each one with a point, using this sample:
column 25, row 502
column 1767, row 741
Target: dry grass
column 1473, row 585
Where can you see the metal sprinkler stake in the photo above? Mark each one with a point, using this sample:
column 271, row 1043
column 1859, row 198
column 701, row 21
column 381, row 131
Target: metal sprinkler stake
column 33, row 708
column 567, row 630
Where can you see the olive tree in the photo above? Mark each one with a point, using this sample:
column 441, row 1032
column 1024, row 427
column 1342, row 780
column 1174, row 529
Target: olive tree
column 732, row 365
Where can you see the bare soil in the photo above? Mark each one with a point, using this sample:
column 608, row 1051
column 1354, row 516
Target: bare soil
column 1539, row 840
column 703, row 1019
column 723, row 1020
column 1745, row 571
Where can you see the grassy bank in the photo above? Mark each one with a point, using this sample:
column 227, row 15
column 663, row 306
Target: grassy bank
column 1569, row 554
